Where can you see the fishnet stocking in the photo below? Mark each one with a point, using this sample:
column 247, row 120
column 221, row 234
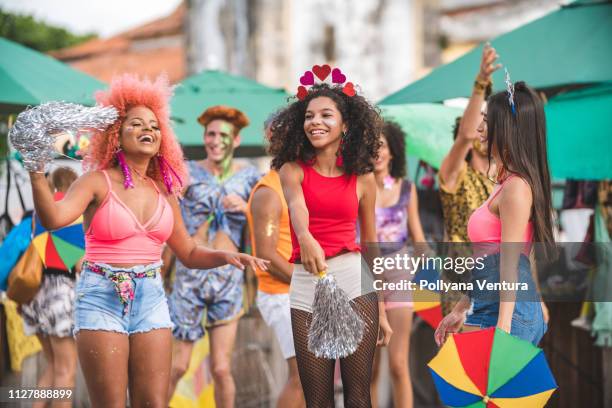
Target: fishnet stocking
column 317, row 374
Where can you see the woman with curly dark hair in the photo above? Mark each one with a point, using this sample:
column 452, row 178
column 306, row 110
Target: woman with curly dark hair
column 324, row 147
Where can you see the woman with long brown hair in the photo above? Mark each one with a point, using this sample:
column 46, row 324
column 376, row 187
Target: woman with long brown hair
column 517, row 213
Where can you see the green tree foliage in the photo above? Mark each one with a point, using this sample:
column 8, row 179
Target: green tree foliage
column 35, row 34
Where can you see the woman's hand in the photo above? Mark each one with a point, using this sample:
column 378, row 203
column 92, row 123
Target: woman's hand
column 451, row 323
column 384, row 329
column 545, row 312
column 240, row 259
column 505, row 324
column 312, row 255
column 487, row 64
column 234, row 203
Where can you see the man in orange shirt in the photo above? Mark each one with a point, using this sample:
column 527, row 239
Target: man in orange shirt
column 268, row 218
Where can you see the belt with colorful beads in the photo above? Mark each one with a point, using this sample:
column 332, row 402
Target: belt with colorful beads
column 123, row 280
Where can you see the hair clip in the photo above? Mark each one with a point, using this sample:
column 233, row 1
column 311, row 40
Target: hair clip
column 510, row 91
column 322, row 72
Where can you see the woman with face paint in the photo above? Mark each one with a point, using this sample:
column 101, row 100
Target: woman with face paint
column 213, row 207
column 129, row 204
column 324, row 147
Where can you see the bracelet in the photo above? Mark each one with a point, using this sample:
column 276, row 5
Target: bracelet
column 481, row 82
column 479, row 87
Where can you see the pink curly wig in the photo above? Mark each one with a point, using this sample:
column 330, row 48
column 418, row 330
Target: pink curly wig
column 127, row 91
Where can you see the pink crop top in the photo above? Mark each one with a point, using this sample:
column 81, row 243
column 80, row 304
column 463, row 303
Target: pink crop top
column 115, row 236
column 485, row 227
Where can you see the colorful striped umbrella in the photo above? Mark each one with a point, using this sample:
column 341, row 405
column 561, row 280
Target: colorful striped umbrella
column 62, row 248
column 427, row 303
column 490, row 368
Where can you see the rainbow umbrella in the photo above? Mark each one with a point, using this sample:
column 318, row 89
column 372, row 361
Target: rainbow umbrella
column 62, row 248
column 427, row 304
column 490, row 368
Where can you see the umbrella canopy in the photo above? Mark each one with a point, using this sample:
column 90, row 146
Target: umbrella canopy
column 490, row 368
column 209, row 88
column 568, row 46
column 579, row 131
column 62, row 248
column 28, row 77
column 428, row 126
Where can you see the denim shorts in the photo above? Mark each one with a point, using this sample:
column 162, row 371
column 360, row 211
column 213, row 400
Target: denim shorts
column 527, row 319
column 98, row 306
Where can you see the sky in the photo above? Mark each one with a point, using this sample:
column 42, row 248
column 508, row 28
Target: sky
column 103, row 17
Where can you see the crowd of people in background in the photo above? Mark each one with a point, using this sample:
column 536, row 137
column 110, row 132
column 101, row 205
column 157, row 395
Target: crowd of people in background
column 338, row 180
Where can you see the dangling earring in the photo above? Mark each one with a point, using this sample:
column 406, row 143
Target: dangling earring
column 127, row 175
column 340, row 152
column 167, row 177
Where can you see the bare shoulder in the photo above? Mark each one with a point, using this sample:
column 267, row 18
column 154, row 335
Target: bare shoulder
column 516, row 192
column 93, row 180
column 366, row 179
column 265, row 199
column 290, row 170
column 517, row 186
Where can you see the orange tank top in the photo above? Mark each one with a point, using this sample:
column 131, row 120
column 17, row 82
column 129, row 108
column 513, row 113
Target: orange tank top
column 266, row 282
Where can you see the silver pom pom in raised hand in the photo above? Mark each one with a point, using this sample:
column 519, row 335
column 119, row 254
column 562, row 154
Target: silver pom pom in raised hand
column 33, row 134
column 336, row 328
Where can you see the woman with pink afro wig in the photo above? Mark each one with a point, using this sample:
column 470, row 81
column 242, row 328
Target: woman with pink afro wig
column 130, row 210
column 128, row 91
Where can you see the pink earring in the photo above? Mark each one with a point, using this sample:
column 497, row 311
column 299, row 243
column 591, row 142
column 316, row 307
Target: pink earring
column 167, row 177
column 127, row 175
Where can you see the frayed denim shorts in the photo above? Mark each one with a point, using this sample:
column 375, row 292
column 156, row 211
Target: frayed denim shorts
column 99, row 306
column 527, row 318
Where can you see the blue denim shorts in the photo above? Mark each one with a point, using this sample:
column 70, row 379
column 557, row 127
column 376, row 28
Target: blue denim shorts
column 98, row 306
column 527, row 319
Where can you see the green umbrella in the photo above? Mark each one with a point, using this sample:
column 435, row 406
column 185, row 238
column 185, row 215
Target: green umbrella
column 210, row 88
column 579, row 130
column 28, row 77
column 568, row 46
column 428, row 126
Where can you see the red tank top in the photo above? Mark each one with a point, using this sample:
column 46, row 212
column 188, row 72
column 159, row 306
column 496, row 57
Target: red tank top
column 333, row 208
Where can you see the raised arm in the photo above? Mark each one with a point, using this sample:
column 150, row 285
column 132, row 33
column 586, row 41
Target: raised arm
column 312, row 255
column 57, row 214
column 266, row 211
column 455, row 159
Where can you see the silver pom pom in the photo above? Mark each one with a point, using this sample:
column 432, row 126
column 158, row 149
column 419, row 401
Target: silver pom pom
column 336, row 328
column 33, row 134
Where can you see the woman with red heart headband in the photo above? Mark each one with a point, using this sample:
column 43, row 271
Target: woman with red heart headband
column 324, row 146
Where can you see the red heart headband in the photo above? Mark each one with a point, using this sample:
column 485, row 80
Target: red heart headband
column 322, row 72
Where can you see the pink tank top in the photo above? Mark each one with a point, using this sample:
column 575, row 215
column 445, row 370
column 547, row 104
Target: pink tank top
column 485, row 227
column 115, row 236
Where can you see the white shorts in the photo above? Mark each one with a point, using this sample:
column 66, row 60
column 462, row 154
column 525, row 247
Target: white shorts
column 275, row 310
column 352, row 276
